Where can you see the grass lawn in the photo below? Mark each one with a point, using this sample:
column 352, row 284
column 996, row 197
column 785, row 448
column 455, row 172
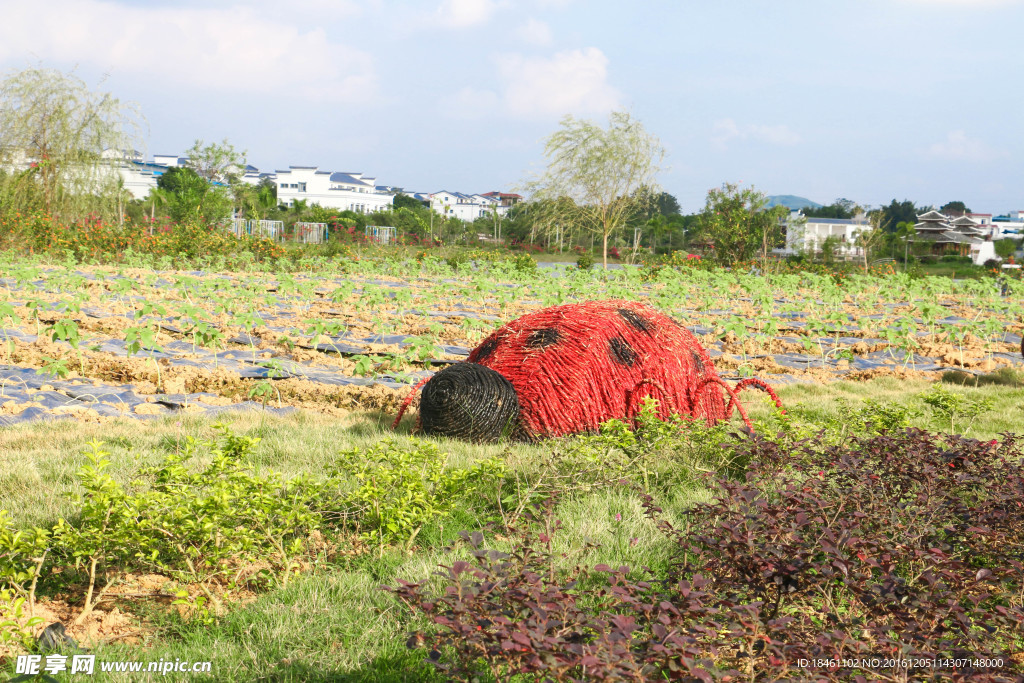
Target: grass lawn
column 332, row 622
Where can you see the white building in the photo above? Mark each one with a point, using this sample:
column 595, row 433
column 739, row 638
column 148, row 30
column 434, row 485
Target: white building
column 343, row 191
column 1010, row 225
column 469, row 207
column 809, row 234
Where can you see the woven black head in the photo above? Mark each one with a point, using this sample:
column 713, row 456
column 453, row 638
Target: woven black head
column 469, row 401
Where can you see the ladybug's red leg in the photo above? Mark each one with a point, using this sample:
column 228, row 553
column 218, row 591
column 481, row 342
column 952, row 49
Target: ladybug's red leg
column 733, row 399
column 407, row 401
column 763, row 386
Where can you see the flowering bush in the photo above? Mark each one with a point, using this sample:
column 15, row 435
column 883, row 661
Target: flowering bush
column 94, row 239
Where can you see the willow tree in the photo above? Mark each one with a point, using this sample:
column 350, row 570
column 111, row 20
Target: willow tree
column 598, row 179
column 61, row 144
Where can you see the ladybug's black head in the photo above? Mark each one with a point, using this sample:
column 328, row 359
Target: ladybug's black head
column 469, row 401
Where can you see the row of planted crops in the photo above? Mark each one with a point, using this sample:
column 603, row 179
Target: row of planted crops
column 333, row 334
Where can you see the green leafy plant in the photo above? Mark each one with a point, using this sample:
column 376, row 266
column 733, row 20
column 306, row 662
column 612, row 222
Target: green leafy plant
column 67, row 330
column 956, row 407
column 54, row 367
column 22, row 555
column 16, row 630
column 397, row 490
column 102, row 536
column 364, row 365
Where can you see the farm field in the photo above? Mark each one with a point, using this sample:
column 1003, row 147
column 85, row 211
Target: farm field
column 259, row 404
column 95, row 343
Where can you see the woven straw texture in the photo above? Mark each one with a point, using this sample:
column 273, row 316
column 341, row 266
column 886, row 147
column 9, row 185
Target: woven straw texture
column 470, row 402
column 576, row 366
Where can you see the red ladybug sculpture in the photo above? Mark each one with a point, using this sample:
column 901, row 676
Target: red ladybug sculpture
column 566, row 369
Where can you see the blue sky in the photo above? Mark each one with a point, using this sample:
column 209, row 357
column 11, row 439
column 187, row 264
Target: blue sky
column 869, row 100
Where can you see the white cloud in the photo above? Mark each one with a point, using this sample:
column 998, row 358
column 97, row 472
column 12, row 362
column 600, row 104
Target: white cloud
column 725, row 131
column 570, row 82
column 534, row 31
column 464, row 13
column 233, row 49
column 470, row 103
column 958, row 147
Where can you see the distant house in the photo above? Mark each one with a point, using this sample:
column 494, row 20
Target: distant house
column 469, row 207
column 169, row 160
column 809, row 234
column 1008, row 225
column 969, row 235
column 139, row 176
column 343, row 191
column 506, row 199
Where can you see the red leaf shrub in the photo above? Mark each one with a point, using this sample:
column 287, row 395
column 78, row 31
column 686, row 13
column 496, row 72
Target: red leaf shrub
column 906, row 547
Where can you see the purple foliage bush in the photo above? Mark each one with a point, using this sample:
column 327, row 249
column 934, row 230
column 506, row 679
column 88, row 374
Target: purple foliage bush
column 906, row 549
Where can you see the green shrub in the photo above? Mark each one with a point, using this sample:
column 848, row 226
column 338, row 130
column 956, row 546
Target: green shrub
column 21, row 555
column 395, row 491
column 956, row 407
column 456, row 260
column 524, row 263
column 16, row 632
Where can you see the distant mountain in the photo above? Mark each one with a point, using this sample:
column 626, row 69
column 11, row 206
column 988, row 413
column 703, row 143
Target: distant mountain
column 791, row 202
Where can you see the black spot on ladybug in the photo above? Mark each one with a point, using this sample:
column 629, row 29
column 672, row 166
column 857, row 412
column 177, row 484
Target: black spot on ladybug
column 546, row 336
column 622, row 352
column 636, row 320
column 486, row 349
column 697, row 362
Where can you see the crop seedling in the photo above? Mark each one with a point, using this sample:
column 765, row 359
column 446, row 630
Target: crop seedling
column 956, row 407
column 66, row 330
column 143, row 337
column 54, row 367
column 364, row 365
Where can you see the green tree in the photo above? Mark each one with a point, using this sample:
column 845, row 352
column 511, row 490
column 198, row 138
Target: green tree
column 255, row 201
column 404, row 201
column 598, row 179
column 901, row 239
column 956, row 208
column 901, row 212
column 66, row 141
column 158, row 197
column 828, row 247
column 193, row 197
column 217, row 162
column 222, row 166
column 840, row 208
column 666, row 205
column 1005, row 248
column 739, row 224
column 299, row 208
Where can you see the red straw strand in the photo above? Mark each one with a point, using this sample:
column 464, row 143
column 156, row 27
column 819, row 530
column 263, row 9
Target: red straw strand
column 407, row 401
